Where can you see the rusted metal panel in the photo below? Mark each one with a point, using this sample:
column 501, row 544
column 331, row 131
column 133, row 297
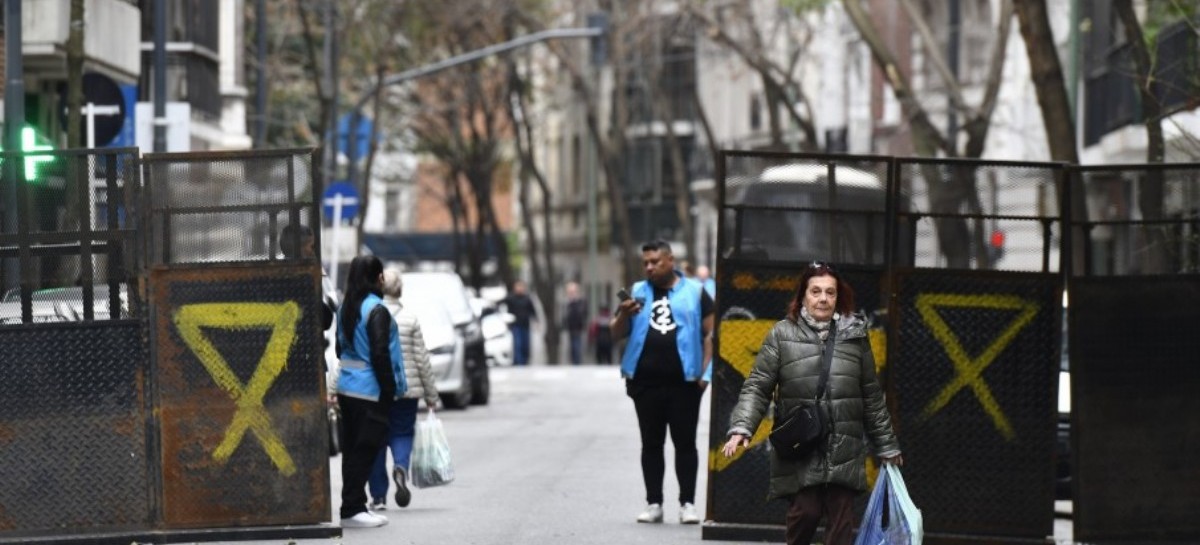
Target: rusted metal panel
column 241, row 399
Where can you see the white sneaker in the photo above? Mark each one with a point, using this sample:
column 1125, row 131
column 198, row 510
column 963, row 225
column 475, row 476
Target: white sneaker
column 365, row 519
column 653, row 513
column 687, row 514
column 378, row 505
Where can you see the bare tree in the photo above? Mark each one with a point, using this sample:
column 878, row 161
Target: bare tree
column 738, row 28
column 1150, row 190
column 955, row 236
column 541, row 263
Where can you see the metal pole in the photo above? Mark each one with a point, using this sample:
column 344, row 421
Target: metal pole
column 14, row 120
column 329, row 154
column 160, row 76
column 260, row 100
column 952, row 60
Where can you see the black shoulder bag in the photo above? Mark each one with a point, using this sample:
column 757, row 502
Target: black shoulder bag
column 802, row 431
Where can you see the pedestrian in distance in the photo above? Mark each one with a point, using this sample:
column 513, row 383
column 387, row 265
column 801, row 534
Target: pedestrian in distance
column 668, row 320
column 402, row 419
column 370, row 377
column 704, row 276
column 788, row 370
column 600, row 335
column 575, row 319
column 520, row 305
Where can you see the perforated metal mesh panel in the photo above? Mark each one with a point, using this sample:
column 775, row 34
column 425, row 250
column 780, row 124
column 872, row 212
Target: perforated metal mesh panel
column 72, row 433
column 227, row 207
column 1142, row 220
column 70, row 237
column 979, row 215
column 786, row 208
column 973, row 374
column 241, row 396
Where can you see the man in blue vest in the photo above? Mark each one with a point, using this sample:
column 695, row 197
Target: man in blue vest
column 669, row 320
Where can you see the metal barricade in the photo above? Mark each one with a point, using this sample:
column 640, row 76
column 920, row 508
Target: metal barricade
column 1134, row 306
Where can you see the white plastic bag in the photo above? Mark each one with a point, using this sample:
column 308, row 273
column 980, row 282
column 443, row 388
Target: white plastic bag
column 905, row 525
column 430, row 465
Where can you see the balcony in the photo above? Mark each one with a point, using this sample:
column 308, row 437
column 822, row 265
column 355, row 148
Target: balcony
column 107, row 45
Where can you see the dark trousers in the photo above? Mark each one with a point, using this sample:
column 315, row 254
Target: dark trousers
column 358, row 454
column 576, row 342
column 674, row 407
column 834, row 502
column 520, row 344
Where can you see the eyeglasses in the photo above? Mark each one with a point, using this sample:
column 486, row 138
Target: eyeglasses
column 822, row 265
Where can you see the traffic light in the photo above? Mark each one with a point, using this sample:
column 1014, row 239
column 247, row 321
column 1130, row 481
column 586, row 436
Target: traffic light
column 30, row 145
column 996, row 246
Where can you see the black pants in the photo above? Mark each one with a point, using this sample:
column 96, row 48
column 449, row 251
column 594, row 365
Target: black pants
column 674, row 407
column 834, row 502
column 358, row 451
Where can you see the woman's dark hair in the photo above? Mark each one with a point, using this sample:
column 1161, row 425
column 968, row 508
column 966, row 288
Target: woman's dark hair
column 845, row 294
column 362, row 280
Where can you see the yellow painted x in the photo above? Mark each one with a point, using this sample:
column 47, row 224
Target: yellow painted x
column 969, row 371
column 250, row 415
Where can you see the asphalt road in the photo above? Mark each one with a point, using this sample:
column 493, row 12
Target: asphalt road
column 553, row 459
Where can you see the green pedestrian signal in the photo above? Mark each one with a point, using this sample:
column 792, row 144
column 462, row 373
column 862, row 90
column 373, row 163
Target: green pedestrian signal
column 30, row 146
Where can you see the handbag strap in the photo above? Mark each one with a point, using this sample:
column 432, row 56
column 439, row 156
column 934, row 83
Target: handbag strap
column 826, row 359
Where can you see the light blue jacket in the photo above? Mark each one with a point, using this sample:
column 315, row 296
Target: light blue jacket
column 689, row 339
column 356, row 377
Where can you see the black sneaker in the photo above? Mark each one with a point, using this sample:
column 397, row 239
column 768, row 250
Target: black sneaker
column 403, row 494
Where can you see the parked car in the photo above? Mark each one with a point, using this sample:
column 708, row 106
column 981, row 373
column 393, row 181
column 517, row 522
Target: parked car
column 61, row 304
column 464, row 378
column 497, row 337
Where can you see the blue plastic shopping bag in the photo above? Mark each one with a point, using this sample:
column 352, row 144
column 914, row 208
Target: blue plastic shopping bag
column 902, row 525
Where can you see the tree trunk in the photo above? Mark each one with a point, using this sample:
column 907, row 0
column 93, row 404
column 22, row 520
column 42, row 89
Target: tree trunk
column 1150, row 190
column 1051, row 89
column 679, row 174
column 75, row 75
column 364, row 189
column 324, row 95
column 541, row 264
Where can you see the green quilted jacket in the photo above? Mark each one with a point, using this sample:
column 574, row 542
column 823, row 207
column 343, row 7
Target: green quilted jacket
column 787, row 370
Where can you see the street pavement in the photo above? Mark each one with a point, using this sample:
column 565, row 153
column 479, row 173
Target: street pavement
column 552, row 459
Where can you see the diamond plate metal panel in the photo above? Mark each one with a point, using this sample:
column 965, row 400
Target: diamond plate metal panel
column 72, row 434
column 974, row 383
column 241, row 396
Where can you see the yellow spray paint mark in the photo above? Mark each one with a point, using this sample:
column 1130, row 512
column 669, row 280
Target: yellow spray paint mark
column 969, row 371
column 740, row 341
column 251, row 414
column 745, row 281
column 878, row 339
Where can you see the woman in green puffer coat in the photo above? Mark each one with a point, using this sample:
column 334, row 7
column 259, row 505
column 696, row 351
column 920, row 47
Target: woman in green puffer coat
column 787, row 371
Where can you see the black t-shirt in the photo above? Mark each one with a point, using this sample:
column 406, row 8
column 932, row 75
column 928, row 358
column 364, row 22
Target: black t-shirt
column 659, row 362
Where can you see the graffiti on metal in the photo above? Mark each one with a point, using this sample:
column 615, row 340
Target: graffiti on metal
column 969, row 370
column 282, row 319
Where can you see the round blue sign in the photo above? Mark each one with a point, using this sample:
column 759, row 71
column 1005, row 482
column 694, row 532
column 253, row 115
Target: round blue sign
column 348, row 195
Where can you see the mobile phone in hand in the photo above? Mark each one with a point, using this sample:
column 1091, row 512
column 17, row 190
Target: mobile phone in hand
column 622, row 295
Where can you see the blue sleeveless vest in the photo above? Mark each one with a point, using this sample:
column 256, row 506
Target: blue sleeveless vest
column 356, row 378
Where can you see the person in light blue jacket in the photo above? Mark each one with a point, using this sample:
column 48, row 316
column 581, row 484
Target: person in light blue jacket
column 370, row 377
column 666, row 365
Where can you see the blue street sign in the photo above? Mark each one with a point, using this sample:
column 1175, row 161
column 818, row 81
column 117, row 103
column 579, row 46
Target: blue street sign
column 362, row 137
column 349, row 200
